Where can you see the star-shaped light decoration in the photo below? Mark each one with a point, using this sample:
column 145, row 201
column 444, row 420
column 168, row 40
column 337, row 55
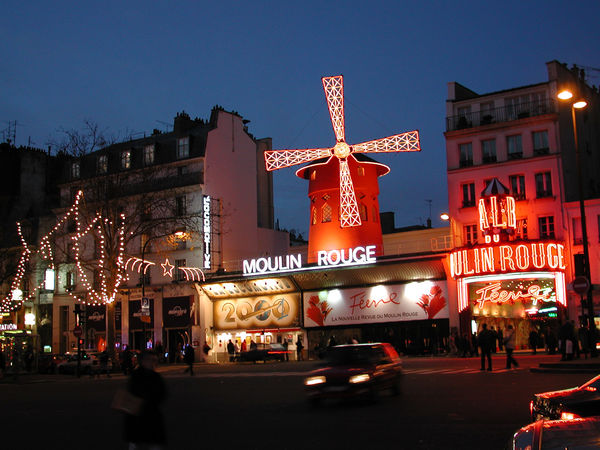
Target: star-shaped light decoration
column 167, row 268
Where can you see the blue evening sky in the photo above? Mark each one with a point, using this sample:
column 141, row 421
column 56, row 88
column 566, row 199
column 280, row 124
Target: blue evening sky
column 129, row 66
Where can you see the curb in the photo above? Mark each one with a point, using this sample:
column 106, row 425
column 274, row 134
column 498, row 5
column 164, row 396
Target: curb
column 564, row 370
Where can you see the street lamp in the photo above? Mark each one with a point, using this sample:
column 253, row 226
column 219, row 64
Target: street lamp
column 575, row 105
column 179, row 233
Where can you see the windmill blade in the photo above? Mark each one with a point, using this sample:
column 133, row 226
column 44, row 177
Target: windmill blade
column 278, row 159
column 334, row 92
column 349, row 215
column 404, row 142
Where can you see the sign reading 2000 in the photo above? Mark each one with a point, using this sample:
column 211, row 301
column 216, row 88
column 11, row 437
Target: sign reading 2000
column 258, row 312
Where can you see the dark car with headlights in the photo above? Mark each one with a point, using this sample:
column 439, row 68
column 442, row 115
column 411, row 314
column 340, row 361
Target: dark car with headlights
column 264, row 352
column 558, row 435
column 582, row 401
column 355, row 370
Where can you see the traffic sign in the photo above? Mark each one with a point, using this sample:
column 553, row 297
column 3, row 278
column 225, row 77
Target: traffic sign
column 77, row 331
column 581, row 285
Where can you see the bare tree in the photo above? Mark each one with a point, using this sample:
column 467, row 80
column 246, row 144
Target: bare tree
column 77, row 142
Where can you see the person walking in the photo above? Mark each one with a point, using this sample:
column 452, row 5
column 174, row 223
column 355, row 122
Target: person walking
column 487, row 341
column 584, row 340
column 146, row 429
column 533, row 340
column 188, row 358
column 103, row 359
column 510, row 342
column 230, row 350
column 285, row 349
column 299, row 348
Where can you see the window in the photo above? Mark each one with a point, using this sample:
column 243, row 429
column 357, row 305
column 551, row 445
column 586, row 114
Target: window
column 149, row 155
column 313, row 215
column 546, row 225
column 180, row 207
column 75, row 172
column 488, row 150
column 517, row 186
column 543, row 185
column 102, row 164
column 179, row 275
column 362, row 208
column 126, row 159
column 514, row 146
column 464, row 117
column 577, row 234
column 326, row 213
column 183, row 147
column 470, row 234
column 468, row 191
column 70, row 281
column 540, row 143
column 486, row 113
column 466, row 155
column 521, row 231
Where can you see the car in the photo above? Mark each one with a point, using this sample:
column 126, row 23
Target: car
column 264, row 352
column 89, row 363
column 355, row 371
column 582, row 401
column 558, row 435
column 47, row 362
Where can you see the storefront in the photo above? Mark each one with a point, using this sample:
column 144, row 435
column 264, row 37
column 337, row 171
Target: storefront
column 176, row 326
column 95, row 327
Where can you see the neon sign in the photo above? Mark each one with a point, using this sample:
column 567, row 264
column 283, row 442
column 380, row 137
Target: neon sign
column 206, row 228
column 494, row 293
column 507, row 258
column 337, row 257
column 497, row 215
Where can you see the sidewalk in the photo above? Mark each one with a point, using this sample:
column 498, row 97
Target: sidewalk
column 590, row 365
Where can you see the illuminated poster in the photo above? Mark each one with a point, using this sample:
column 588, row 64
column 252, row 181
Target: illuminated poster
column 514, row 297
column 390, row 303
column 257, row 312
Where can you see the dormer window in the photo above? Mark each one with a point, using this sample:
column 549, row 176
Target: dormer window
column 149, row 155
column 183, row 147
column 102, row 164
column 75, row 170
column 126, row 159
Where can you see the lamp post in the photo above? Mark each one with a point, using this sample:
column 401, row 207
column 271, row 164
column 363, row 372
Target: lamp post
column 178, row 234
column 580, row 104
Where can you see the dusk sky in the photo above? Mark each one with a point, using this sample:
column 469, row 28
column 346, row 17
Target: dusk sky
column 131, row 66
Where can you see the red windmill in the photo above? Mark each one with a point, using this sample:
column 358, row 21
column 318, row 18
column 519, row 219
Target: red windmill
column 339, row 166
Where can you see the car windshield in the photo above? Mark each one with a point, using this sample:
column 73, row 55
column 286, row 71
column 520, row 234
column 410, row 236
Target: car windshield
column 594, row 383
column 337, row 356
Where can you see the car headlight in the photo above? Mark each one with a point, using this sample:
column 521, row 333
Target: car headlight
column 311, row 381
column 568, row 416
column 359, row 378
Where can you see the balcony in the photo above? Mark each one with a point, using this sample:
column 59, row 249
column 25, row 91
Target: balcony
column 497, row 115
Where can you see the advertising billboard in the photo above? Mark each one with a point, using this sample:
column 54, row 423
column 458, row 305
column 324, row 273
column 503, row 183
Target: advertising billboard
column 274, row 311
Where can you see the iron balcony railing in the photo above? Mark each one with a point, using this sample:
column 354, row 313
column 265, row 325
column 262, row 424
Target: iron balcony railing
column 504, row 114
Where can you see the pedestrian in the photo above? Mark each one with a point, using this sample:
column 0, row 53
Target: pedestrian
column 474, row 351
column 188, row 358
column 584, row 340
column 253, row 345
column 510, row 341
column 487, row 341
column 126, row 361
column 285, row 349
column 244, row 346
column 500, row 338
column 146, row 430
column 332, row 342
column 104, row 364
column 231, row 350
column 299, row 348
column 533, row 340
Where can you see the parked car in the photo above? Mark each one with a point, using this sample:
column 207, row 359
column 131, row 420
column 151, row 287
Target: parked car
column 355, row 370
column 264, row 352
column 89, row 363
column 558, row 435
column 582, row 401
column 47, row 362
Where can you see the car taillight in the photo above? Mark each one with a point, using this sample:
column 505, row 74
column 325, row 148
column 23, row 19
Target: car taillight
column 569, row 416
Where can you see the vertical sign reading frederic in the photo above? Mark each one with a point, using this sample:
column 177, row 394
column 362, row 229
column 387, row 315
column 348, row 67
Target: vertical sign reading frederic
column 206, row 228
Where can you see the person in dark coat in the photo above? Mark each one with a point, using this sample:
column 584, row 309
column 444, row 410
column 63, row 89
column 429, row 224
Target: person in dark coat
column 533, row 340
column 188, row 358
column 148, row 427
column 487, row 341
column 231, row 350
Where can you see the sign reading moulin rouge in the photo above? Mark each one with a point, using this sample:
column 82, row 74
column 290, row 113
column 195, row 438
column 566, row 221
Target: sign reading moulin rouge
column 341, row 257
column 206, row 229
column 508, row 257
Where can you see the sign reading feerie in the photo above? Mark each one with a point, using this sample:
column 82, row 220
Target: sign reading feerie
column 389, row 303
column 507, row 257
column 325, row 258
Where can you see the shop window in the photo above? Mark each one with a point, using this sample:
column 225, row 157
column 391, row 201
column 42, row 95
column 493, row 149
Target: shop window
column 546, row 226
column 326, row 213
column 517, row 186
column 514, row 146
column 543, row 185
column 468, row 193
column 466, row 155
column 362, row 208
column 470, row 234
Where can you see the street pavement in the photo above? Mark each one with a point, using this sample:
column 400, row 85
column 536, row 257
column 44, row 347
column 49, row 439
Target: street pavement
column 446, row 403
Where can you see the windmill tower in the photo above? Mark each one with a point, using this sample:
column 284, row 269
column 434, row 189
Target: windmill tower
column 339, row 219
